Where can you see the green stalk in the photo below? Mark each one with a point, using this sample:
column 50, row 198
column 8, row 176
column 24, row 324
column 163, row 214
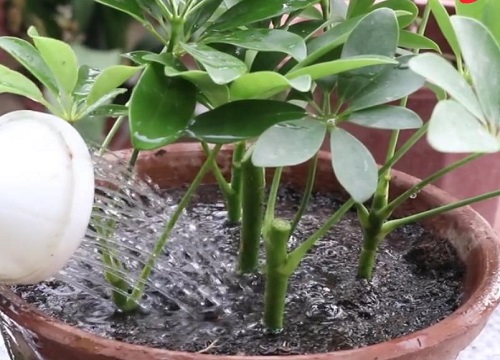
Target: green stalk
column 111, row 134
column 253, row 184
column 372, row 237
column 234, row 201
column 311, row 176
column 133, row 159
column 276, row 281
column 138, row 291
column 271, row 201
column 394, row 224
column 428, row 180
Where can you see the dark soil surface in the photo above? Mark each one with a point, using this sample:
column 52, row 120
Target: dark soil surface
column 417, row 283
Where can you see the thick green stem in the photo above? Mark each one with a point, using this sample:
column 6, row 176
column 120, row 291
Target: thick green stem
column 162, row 240
column 234, row 201
column 394, row 224
column 311, row 176
column 372, row 237
column 253, row 184
column 276, row 281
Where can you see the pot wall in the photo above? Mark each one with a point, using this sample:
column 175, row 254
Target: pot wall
column 176, row 165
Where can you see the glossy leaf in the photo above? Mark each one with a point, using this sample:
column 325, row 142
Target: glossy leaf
column 482, row 57
column 266, row 84
column 110, row 78
column 453, row 129
column 241, row 120
column 102, row 101
column 328, row 68
column 473, row 10
column 251, row 11
column 60, row 59
column 216, row 94
column 404, row 5
column 29, row 57
column 386, row 117
column 221, row 67
column 160, row 108
column 394, row 83
column 138, row 57
column 111, row 110
column 411, row 40
column 264, row 40
column 353, row 165
column 130, row 7
column 444, row 23
column 440, row 72
column 289, row 143
column 15, row 83
column 199, row 17
column 376, row 34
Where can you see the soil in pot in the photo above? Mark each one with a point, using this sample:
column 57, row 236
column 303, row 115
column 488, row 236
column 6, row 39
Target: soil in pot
column 196, row 302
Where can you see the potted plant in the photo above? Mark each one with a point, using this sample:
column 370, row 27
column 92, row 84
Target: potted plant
column 264, row 111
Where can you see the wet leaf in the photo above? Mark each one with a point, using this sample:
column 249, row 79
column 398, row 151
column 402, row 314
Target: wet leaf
column 160, row 108
column 268, row 40
column 29, row 57
column 241, row 120
column 353, row 165
column 264, row 84
column 109, row 79
column 289, row 143
column 221, row 67
column 411, row 40
column 15, row 83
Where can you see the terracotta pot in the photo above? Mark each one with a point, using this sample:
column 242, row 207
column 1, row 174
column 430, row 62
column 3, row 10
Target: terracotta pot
column 176, row 165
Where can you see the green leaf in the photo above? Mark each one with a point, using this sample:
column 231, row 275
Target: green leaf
column 482, row 57
column 265, row 84
column 386, row 117
column 109, row 80
column 102, row 101
column 221, row 67
column 264, row 40
column 453, row 129
column 376, row 34
column 241, row 120
column 15, row 83
column 289, row 143
column 29, row 57
column 138, row 57
column 353, row 165
column 359, row 7
column 404, row 5
column 111, row 110
column 394, row 83
column 490, row 18
column 472, row 10
column 130, row 7
column 160, row 108
column 440, row 72
column 320, row 70
column 411, row 40
column 250, row 11
column 444, row 23
column 199, row 17
column 216, row 94
column 60, row 59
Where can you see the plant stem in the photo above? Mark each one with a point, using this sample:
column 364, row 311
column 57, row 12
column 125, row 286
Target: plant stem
column 162, row 240
column 234, row 201
column 276, row 281
column 133, row 159
column 428, row 180
column 253, row 184
column 271, row 201
column 177, row 26
column 311, row 176
column 111, row 134
column 219, row 177
column 394, row 224
column 372, row 237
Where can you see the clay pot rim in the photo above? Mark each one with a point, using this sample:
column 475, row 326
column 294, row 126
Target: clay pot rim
column 483, row 299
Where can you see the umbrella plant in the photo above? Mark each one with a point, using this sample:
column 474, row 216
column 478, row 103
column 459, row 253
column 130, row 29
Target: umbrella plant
column 273, row 78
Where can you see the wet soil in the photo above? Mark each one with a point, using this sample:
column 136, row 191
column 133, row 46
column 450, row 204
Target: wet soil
column 418, row 282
